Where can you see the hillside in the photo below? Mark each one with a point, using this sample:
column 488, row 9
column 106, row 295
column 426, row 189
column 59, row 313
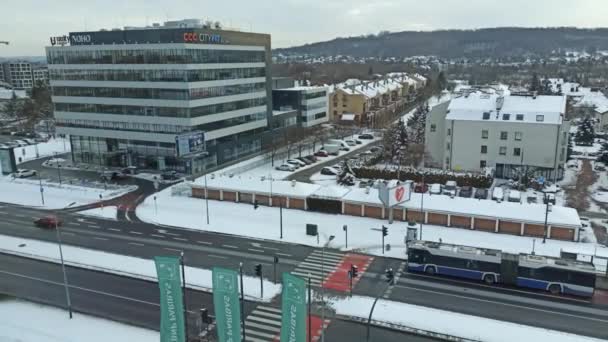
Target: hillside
column 492, row 42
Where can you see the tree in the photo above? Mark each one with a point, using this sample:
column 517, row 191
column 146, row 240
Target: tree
column 442, row 81
column 42, row 97
column 12, row 107
column 603, row 157
column 535, row 83
column 585, row 134
column 569, row 150
column 417, row 124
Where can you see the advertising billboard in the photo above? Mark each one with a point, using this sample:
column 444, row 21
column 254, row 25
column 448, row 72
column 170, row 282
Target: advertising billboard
column 394, row 195
column 190, row 143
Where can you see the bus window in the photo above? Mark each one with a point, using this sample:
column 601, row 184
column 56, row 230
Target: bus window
column 472, row 265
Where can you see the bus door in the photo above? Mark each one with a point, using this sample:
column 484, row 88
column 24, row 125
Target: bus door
column 508, row 268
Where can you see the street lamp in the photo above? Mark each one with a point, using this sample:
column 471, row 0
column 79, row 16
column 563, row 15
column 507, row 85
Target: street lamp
column 547, row 201
column 65, row 276
column 331, row 237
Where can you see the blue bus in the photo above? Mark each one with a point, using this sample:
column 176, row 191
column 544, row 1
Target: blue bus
column 492, row 266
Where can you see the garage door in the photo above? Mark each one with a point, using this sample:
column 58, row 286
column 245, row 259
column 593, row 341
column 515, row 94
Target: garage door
column 398, row 214
column 297, row 203
column 277, row 201
column 213, row 194
column 230, row 196
column 245, row 197
column 375, row 212
column 413, row 215
column 562, row 233
column 460, row 222
column 485, row 225
column 262, row 199
column 438, row 219
column 512, row 228
column 352, row 209
column 536, row 230
column 198, row 193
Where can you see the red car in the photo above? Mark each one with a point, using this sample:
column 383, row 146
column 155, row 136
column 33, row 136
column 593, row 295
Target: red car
column 321, row 153
column 421, row 188
column 48, row 222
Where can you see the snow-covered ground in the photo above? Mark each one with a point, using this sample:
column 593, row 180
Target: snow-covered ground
column 196, row 278
column 450, row 323
column 45, row 149
column 27, row 192
column 585, row 150
column 108, row 212
column 364, row 234
column 22, row 321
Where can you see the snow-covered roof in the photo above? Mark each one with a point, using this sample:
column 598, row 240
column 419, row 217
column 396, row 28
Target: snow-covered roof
column 7, row 94
column 473, row 106
column 595, row 99
column 305, row 88
column 259, row 185
column 348, row 117
column 331, row 192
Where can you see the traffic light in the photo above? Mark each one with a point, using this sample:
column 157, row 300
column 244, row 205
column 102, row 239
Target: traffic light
column 255, row 204
column 354, row 271
column 390, row 275
column 258, row 270
column 384, row 231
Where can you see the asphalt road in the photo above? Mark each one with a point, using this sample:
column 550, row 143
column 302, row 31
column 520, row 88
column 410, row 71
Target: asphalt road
column 205, row 250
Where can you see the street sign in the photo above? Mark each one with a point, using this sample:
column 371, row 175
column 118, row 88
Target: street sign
column 171, row 303
column 293, row 324
column 226, row 304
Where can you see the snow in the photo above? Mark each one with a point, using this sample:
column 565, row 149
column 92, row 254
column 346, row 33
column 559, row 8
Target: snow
column 102, row 212
column 450, row 323
column 196, row 278
column 27, row 192
column 325, row 180
column 45, row 149
column 364, row 233
column 22, row 321
column 258, row 185
column 587, row 149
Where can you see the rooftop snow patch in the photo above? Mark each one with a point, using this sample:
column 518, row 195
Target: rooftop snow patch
column 261, row 185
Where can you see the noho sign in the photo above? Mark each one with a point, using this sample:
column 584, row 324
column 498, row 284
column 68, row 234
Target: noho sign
column 393, row 195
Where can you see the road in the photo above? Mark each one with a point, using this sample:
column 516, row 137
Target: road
column 205, row 250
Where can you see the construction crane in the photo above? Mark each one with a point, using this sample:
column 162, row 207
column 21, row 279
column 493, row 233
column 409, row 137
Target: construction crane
column 3, row 42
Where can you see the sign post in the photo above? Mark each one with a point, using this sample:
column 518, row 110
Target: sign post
column 226, row 304
column 171, row 302
column 293, row 324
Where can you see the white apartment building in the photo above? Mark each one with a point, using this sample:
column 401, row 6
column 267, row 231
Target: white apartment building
column 18, row 74
column 507, row 133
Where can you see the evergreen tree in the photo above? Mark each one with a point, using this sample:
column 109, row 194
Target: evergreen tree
column 41, row 96
column 442, row 81
column 585, row 134
column 535, row 84
column 417, row 124
column 569, row 150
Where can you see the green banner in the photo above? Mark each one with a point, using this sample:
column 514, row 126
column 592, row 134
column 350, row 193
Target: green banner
column 171, row 302
column 293, row 325
column 226, row 304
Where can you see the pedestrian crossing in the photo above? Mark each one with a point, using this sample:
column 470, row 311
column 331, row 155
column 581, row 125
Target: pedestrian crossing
column 318, row 266
column 264, row 325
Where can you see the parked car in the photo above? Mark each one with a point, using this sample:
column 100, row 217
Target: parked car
column 297, row 163
column 466, row 191
column 350, row 142
column 514, row 196
column 366, row 136
column 304, row 160
column 498, row 194
column 375, row 149
column 321, row 153
column 549, row 198
column 24, row 173
column 334, row 150
column 358, row 142
column 450, row 188
column 312, row 158
column 436, row 189
column 112, row 175
column 481, row 193
column 572, row 164
column 131, row 170
column 286, row 167
column 169, row 175
column 421, row 188
column 49, row 222
column 599, row 167
column 329, row 171
column 23, row 142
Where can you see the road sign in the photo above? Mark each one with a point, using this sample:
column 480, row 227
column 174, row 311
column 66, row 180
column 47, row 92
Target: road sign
column 293, row 325
column 226, row 304
column 171, row 304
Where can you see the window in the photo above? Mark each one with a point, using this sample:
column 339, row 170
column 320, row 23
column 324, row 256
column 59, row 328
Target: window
column 517, row 151
column 519, row 117
column 518, row 136
column 484, row 149
column 449, row 132
column 540, row 118
column 484, row 134
column 433, row 127
column 504, row 135
column 486, row 115
column 482, row 164
column 506, row 116
column 503, row 151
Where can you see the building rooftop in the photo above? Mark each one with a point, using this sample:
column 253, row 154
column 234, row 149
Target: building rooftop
column 479, row 106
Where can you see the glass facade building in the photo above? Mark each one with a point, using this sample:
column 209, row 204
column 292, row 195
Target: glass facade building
column 124, row 96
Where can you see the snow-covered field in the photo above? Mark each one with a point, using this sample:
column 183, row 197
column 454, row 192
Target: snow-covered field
column 45, row 149
column 450, row 323
column 364, row 234
column 104, row 212
column 27, row 192
column 22, row 321
column 585, row 150
column 196, row 278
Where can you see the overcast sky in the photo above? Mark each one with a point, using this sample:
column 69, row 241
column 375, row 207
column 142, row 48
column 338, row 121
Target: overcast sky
column 28, row 24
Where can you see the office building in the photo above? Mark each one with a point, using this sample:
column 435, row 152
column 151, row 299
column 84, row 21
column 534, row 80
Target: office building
column 508, row 133
column 18, row 74
column 148, row 96
column 310, row 103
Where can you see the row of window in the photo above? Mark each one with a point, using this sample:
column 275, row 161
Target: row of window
column 502, row 150
column 165, row 94
column 315, row 95
column 518, row 136
column 154, row 56
column 315, row 106
column 518, row 117
column 157, row 75
column 315, row 117
column 159, row 111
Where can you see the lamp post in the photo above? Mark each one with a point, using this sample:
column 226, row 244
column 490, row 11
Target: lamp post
column 547, row 209
column 65, row 275
column 422, row 207
column 331, row 237
column 58, row 168
column 181, row 260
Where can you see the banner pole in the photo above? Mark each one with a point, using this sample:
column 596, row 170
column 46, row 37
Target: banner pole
column 181, row 259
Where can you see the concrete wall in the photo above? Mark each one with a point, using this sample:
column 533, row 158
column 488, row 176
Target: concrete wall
column 435, row 141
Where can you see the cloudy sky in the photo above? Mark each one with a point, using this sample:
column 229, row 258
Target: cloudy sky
column 28, row 24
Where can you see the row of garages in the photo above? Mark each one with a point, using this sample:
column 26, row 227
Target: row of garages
column 448, row 219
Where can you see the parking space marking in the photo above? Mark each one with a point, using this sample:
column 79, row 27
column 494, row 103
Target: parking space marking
column 230, row 246
column 115, row 229
column 134, row 232
column 205, row 242
column 255, row 250
column 136, row 244
column 180, row 239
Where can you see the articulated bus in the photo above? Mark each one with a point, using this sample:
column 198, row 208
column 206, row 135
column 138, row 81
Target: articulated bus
column 555, row 275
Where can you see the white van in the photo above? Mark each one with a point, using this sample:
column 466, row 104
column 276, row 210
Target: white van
column 343, row 145
column 514, row 196
column 498, row 194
